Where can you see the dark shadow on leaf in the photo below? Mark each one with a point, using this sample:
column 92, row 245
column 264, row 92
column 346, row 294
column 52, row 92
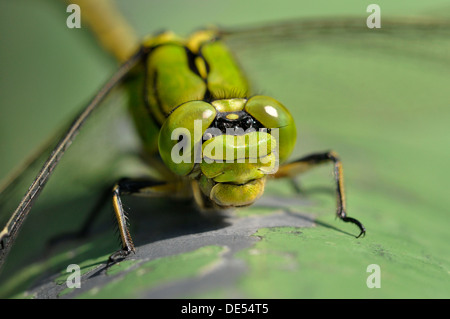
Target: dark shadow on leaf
column 290, row 212
column 333, row 228
column 163, row 219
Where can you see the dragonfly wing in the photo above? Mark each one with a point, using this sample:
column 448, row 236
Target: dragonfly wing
column 339, row 31
column 268, row 44
column 90, row 159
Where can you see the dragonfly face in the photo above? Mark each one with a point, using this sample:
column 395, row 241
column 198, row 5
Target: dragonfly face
column 233, row 151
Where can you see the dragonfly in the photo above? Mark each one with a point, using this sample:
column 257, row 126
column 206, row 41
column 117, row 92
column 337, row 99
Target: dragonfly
column 158, row 106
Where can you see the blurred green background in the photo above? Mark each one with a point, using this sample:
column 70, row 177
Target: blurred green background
column 385, row 110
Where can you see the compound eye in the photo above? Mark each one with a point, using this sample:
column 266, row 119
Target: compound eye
column 178, row 135
column 273, row 115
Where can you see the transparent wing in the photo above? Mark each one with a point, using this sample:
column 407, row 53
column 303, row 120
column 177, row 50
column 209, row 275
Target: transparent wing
column 92, row 164
column 338, row 30
column 270, row 45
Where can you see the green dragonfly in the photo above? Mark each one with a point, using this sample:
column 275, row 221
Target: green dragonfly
column 161, row 107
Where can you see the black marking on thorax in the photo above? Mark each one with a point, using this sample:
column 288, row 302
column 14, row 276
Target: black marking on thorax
column 191, row 58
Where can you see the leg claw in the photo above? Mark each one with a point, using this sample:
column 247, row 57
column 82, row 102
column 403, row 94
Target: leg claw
column 118, row 256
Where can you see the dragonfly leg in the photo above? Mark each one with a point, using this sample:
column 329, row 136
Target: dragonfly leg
column 143, row 187
column 306, row 163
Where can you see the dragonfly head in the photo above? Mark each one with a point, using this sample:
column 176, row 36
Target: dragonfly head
column 229, row 145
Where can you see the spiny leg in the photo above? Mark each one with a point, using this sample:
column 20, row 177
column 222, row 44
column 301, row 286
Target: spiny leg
column 303, row 164
column 142, row 187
